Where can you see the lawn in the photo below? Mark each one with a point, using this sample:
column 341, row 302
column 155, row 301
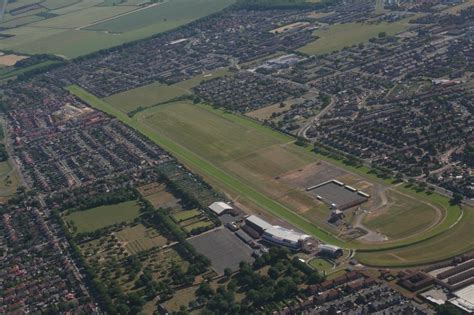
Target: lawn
column 338, row 36
column 322, row 265
column 208, row 140
column 186, row 215
column 96, row 218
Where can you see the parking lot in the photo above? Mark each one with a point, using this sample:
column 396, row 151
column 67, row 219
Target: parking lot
column 223, row 248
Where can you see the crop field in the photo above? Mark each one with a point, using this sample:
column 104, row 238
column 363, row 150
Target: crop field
column 77, row 27
column 216, row 144
column 338, row 36
column 163, row 16
column 139, row 238
column 97, row 218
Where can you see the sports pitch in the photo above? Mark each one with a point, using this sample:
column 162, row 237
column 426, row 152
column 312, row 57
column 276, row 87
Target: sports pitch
column 242, row 158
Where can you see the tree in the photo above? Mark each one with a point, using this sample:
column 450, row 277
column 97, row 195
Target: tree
column 227, row 272
column 447, row 309
column 456, row 199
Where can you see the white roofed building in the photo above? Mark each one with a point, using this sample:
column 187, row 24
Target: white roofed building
column 220, row 207
column 282, row 236
column 464, row 299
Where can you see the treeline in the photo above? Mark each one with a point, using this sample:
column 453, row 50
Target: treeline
column 77, row 201
column 162, row 221
column 3, row 153
column 285, row 279
column 193, row 191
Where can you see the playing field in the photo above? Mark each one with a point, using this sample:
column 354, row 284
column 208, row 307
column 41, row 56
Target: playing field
column 338, row 36
column 78, row 27
column 97, row 218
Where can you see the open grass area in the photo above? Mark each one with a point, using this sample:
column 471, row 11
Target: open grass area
column 338, row 36
column 322, row 265
column 186, row 215
column 155, row 93
column 78, row 27
column 403, row 217
column 222, row 147
column 97, row 218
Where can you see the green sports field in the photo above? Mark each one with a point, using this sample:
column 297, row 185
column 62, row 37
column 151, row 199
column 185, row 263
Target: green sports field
column 97, row 218
column 240, row 157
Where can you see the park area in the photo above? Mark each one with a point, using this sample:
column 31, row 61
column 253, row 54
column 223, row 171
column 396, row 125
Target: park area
column 77, row 27
column 93, row 219
column 265, row 170
column 336, row 37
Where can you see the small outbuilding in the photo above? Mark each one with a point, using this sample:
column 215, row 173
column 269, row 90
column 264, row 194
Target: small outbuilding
column 220, row 208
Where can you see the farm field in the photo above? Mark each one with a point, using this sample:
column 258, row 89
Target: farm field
column 218, row 163
column 97, row 218
column 163, row 16
column 71, row 28
column 338, row 36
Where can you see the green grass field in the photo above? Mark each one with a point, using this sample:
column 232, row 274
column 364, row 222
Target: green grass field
column 222, row 147
column 402, row 218
column 75, row 29
column 163, row 16
column 338, row 36
column 322, row 265
column 185, row 215
column 155, row 93
column 97, row 218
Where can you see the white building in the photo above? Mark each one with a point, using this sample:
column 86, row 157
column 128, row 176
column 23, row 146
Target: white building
column 220, row 207
column 464, row 299
column 282, row 236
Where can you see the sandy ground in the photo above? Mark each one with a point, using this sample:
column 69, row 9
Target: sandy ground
column 10, row 60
